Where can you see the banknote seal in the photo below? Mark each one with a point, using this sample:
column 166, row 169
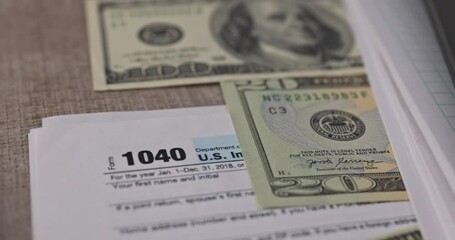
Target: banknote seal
column 160, row 34
column 337, row 125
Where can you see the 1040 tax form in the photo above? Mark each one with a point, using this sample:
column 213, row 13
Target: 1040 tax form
column 174, row 174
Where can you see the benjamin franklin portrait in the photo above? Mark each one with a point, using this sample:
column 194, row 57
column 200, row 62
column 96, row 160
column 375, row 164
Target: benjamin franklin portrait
column 291, row 34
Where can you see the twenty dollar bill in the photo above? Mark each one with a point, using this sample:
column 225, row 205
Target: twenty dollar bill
column 313, row 141
column 136, row 44
column 412, row 233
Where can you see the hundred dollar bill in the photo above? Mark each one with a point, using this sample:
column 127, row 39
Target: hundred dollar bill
column 313, row 141
column 135, row 44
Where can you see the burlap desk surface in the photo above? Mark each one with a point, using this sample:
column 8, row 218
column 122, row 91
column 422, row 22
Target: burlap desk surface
column 45, row 71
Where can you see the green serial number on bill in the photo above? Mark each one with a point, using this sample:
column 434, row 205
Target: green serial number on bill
column 297, row 97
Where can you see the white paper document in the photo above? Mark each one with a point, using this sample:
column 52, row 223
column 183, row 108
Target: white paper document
column 176, row 176
column 75, row 119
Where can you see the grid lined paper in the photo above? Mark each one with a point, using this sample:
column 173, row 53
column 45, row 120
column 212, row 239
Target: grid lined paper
column 417, row 38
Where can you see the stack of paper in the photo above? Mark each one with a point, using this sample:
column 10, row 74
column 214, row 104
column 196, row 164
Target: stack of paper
column 417, row 101
column 171, row 174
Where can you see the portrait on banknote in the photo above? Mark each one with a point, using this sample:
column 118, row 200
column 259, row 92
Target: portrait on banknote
column 288, row 34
